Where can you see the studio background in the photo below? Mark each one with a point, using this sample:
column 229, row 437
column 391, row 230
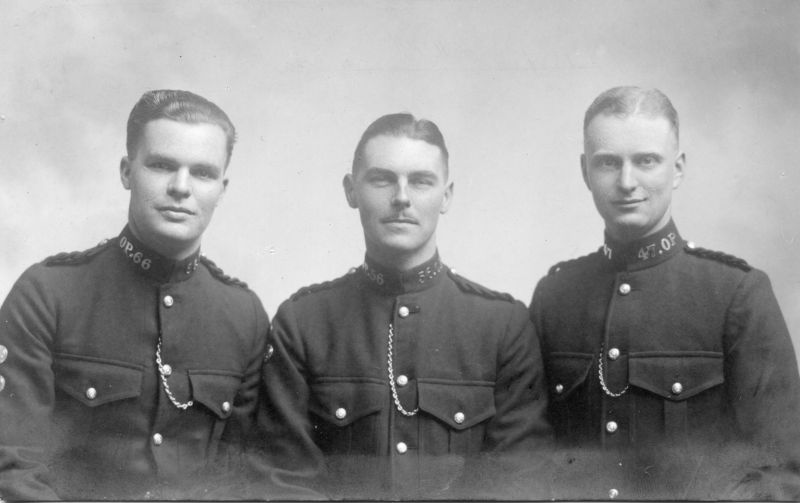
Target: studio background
column 506, row 81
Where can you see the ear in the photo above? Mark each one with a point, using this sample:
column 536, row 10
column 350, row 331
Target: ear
column 677, row 168
column 224, row 191
column 349, row 190
column 125, row 172
column 448, row 197
column 583, row 171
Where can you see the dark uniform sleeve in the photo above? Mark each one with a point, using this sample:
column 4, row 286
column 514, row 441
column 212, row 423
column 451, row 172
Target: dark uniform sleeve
column 764, row 386
column 229, row 477
column 27, row 325
column 518, row 440
column 288, row 461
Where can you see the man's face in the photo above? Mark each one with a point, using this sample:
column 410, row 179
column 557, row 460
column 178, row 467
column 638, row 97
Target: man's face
column 631, row 165
column 176, row 179
column 400, row 188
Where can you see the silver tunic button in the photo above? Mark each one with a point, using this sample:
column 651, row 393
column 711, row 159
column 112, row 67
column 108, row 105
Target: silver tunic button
column 2, row 383
column 613, row 353
column 91, row 393
column 402, row 448
column 559, row 389
column 624, row 289
column 226, row 406
column 402, row 380
column 611, row 426
column 613, row 493
column 3, row 353
column 158, row 439
column 458, row 417
column 167, row 370
column 341, row 413
column 677, row 388
column 403, row 312
column 168, row 300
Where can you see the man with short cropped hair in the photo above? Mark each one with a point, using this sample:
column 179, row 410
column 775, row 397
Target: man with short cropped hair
column 402, row 379
column 130, row 370
column 670, row 369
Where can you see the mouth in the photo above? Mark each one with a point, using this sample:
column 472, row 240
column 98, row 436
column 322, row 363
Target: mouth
column 628, row 203
column 399, row 221
column 174, row 211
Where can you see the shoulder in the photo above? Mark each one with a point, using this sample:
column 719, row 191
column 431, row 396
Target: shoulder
column 76, row 257
column 218, row 274
column 717, row 257
column 574, row 264
column 322, row 288
column 471, row 288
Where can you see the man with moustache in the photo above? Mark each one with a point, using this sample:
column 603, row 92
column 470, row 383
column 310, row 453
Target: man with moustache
column 401, row 379
column 131, row 370
column 670, row 369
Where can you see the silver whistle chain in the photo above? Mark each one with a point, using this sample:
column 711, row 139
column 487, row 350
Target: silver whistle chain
column 391, row 379
column 603, row 381
column 163, row 374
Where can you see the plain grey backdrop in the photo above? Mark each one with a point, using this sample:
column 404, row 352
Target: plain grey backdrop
column 507, row 81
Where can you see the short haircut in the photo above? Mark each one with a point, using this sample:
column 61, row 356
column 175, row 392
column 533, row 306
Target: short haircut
column 180, row 106
column 402, row 125
column 630, row 100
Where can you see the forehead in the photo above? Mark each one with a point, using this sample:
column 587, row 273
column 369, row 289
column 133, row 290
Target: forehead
column 402, row 155
column 637, row 132
column 198, row 142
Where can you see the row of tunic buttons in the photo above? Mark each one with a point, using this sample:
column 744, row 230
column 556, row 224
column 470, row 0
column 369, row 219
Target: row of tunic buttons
column 3, row 356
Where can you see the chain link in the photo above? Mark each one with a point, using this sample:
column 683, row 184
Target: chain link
column 391, row 378
column 162, row 373
column 603, row 381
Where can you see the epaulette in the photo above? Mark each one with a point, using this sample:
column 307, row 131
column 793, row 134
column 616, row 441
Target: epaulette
column 215, row 271
column 318, row 287
column 76, row 257
column 718, row 256
column 565, row 263
column 471, row 287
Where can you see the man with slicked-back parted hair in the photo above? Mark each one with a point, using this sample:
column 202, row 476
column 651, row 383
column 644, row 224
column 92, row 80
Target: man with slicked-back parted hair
column 130, row 370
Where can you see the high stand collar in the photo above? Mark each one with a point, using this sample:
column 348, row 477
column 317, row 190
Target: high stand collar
column 151, row 263
column 394, row 282
column 644, row 252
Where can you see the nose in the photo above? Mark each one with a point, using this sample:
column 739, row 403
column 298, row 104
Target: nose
column 400, row 198
column 180, row 184
column 627, row 178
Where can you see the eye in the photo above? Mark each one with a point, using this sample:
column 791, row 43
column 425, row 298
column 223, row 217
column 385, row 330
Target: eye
column 380, row 179
column 159, row 166
column 648, row 161
column 606, row 162
column 423, row 181
column 204, row 173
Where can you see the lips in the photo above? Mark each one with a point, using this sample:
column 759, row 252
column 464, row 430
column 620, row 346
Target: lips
column 175, row 212
column 399, row 220
column 628, row 202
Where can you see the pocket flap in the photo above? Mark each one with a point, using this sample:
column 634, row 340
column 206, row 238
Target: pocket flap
column 216, row 391
column 96, row 381
column 565, row 372
column 343, row 402
column 459, row 405
column 676, row 376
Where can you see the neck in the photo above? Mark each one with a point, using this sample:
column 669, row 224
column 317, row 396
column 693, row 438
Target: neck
column 173, row 251
column 400, row 261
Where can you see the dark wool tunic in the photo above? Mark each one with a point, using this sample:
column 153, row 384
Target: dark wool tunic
column 83, row 411
column 670, row 371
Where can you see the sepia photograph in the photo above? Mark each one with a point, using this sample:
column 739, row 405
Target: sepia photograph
column 379, row 250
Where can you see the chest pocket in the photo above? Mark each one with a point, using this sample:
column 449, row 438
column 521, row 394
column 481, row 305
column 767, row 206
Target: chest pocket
column 94, row 382
column 567, row 376
column 346, row 415
column 685, row 382
column 216, row 391
column 462, row 411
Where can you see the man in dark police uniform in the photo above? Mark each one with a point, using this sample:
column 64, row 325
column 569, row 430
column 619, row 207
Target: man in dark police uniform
column 131, row 370
column 393, row 380
column 670, row 369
